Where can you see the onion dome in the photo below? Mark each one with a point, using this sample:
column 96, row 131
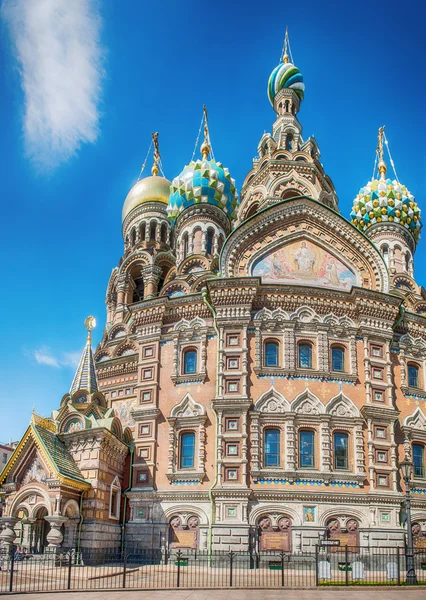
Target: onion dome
column 285, row 75
column 149, row 189
column 384, row 200
column 203, row 182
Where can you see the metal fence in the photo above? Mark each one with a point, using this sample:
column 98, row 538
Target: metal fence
column 153, row 569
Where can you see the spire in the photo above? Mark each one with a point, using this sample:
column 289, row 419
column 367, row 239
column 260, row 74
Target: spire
column 85, row 376
column 157, row 157
column 382, row 165
column 285, row 56
column 205, row 146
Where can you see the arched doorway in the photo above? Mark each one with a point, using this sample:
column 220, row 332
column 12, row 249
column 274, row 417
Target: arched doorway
column 274, row 533
column 184, row 531
column 40, row 530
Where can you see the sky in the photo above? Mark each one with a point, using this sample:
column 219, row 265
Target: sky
column 83, row 84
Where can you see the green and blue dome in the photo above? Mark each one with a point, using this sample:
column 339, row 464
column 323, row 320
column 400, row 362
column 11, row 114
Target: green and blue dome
column 203, row 181
column 384, row 200
column 285, row 75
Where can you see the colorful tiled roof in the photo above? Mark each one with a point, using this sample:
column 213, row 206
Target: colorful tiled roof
column 85, row 376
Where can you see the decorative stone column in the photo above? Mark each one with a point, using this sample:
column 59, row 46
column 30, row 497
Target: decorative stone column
column 7, row 535
column 151, row 276
column 55, row 536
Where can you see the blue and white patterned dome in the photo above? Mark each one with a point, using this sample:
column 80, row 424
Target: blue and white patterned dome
column 285, row 75
column 203, row 181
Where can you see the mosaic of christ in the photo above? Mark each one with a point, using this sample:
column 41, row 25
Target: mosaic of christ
column 304, row 263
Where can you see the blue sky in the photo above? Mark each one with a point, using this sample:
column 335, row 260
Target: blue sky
column 83, row 85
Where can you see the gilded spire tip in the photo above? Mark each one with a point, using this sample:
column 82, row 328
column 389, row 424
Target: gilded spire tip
column 157, row 157
column 382, row 165
column 205, row 146
column 89, row 323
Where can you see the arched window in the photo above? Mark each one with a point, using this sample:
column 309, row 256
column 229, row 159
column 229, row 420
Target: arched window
column 185, row 245
column 306, row 449
column 305, row 356
column 418, row 460
column 209, row 241
column 252, row 210
column 407, row 261
column 289, row 142
column 189, row 362
column 341, row 450
column 138, row 291
column 337, row 359
column 271, row 448
column 114, row 499
column 220, row 243
column 152, row 231
column 385, row 252
column 187, row 450
column 143, row 231
column 133, row 237
column 163, row 234
column 271, row 354
column 413, row 376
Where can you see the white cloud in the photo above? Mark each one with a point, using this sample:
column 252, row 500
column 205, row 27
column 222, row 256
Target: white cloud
column 44, row 356
column 57, row 47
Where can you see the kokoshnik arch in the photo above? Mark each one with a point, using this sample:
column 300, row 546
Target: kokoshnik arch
column 262, row 369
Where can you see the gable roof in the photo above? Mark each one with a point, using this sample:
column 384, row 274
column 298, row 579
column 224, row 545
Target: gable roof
column 42, row 432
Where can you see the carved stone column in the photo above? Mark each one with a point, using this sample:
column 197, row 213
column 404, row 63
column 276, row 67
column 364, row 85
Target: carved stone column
column 151, row 276
column 55, row 537
column 291, row 445
column 255, row 439
column 325, row 447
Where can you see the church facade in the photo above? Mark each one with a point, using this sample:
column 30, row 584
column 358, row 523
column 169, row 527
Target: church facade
column 262, row 371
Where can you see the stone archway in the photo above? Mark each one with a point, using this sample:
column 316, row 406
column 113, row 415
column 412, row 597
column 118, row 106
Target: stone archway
column 184, row 531
column 39, row 531
column 274, row 532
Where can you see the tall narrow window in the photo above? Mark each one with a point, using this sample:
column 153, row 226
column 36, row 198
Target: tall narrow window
column 271, row 448
column 306, row 449
column 187, row 450
column 209, row 241
column 271, row 354
column 418, row 460
column 413, row 376
column 337, row 359
column 305, row 356
column 189, row 362
column 164, row 233
column 341, row 450
column 152, row 230
column 185, row 245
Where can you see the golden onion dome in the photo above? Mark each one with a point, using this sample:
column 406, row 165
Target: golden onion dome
column 149, row 189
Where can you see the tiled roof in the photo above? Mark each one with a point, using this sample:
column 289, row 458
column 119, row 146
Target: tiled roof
column 85, row 376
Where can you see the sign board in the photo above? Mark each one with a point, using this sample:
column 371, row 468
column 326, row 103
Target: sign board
column 329, row 542
column 184, row 539
column 274, row 540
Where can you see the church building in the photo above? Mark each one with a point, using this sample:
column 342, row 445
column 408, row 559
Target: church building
column 262, row 370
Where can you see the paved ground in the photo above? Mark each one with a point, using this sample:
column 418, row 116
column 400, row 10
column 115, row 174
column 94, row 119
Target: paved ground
column 286, row 594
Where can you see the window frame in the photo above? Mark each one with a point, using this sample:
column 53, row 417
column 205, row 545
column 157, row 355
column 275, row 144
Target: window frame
column 276, row 345
column 341, row 349
column 301, row 454
column 417, row 385
column 418, row 445
column 182, row 435
column 307, row 345
column 185, row 353
column 276, row 454
column 341, row 433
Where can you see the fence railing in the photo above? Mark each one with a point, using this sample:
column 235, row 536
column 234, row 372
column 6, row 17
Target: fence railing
column 156, row 569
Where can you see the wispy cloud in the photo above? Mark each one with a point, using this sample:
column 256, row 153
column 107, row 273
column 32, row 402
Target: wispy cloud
column 57, row 47
column 44, row 356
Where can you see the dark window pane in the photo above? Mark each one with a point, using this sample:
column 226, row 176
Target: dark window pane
column 306, row 449
column 271, row 444
column 190, row 362
column 187, row 450
column 271, row 354
column 338, row 359
column 340, row 446
column 305, row 356
column 418, row 460
column 413, row 376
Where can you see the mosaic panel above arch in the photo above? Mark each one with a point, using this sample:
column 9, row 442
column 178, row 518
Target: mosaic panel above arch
column 304, row 263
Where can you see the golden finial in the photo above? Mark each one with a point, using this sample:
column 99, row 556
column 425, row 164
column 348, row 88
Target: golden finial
column 205, row 146
column 154, row 169
column 286, row 57
column 382, row 165
column 89, row 323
